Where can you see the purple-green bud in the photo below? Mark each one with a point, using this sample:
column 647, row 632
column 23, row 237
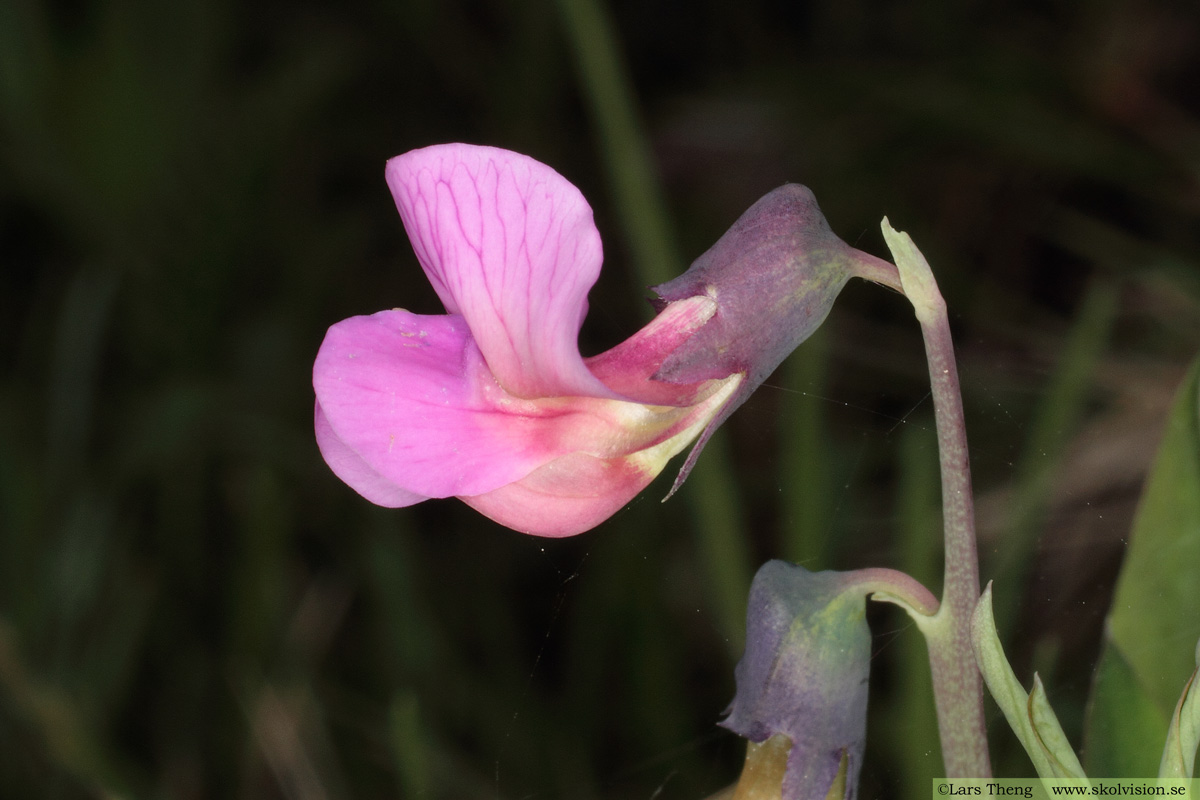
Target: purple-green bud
column 774, row 276
column 804, row 675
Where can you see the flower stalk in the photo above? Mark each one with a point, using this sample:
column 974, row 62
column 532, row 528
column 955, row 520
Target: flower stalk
column 958, row 689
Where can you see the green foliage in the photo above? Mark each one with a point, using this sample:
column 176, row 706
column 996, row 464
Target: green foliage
column 1124, row 727
column 1149, row 621
column 1151, row 629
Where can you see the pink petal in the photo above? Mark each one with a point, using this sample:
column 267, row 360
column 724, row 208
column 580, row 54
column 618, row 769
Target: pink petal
column 627, row 369
column 411, row 398
column 356, row 473
column 567, row 496
column 577, row 492
column 510, row 245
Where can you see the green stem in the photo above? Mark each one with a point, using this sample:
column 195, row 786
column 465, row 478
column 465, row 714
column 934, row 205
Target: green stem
column 957, row 686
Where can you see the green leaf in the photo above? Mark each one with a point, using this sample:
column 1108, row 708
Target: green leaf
column 1154, row 619
column 1029, row 715
column 1124, row 727
column 1179, row 756
column 1153, row 624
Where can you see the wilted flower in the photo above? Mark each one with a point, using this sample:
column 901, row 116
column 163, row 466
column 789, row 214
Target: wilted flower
column 804, row 675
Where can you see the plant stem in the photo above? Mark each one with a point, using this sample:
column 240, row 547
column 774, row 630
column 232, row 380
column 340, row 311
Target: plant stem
column 893, row 586
column 958, row 689
column 957, row 686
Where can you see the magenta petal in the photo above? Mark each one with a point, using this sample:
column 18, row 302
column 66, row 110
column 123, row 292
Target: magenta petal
column 629, row 367
column 356, row 473
column 411, row 397
column 510, row 245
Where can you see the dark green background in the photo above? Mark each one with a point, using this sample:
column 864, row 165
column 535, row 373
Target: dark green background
column 192, row 606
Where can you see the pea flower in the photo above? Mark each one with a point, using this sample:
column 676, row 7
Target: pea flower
column 492, row 401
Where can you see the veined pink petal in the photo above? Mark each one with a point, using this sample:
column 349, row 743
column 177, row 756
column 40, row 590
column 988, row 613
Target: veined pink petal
column 356, row 473
column 510, row 245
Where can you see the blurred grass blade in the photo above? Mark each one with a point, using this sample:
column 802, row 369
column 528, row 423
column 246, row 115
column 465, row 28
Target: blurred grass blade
column 48, row 709
column 1056, row 418
column 718, row 520
column 408, row 745
column 24, row 59
column 608, row 90
column 1118, row 251
column 75, row 370
column 804, row 454
column 710, row 488
column 910, row 708
column 279, row 727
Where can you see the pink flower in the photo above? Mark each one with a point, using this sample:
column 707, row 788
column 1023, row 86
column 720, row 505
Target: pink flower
column 492, row 402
